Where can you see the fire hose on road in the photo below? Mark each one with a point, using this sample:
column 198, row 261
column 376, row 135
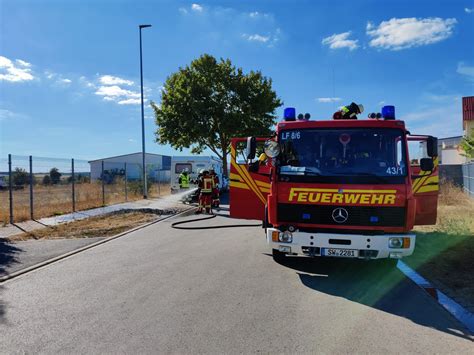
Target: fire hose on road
column 176, row 224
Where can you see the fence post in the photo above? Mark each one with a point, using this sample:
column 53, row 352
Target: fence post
column 73, row 180
column 103, row 184
column 126, row 193
column 10, row 186
column 31, row 188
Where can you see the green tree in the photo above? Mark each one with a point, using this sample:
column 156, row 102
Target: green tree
column 55, row 176
column 208, row 102
column 467, row 144
column 46, row 180
column 20, row 177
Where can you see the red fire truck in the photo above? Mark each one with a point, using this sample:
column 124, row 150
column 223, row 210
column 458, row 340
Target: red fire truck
column 336, row 188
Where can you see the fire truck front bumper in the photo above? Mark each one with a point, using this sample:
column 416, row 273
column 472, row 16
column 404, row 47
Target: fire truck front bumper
column 360, row 246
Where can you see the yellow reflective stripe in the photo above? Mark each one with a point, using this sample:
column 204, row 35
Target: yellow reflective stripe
column 239, row 185
column 432, row 179
column 265, row 190
column 418, row 181
column 245, row 175
column 249, row 181
column 428, row 188
column 236, row 177
column 421, row 181
column 262, row 183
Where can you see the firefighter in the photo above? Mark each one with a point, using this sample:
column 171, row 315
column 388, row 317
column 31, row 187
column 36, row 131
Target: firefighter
column 215, row 191
column 348, row 112
column 184, row 179
column 206, row 186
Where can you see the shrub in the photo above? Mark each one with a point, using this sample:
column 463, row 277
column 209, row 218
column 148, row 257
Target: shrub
column 20, row 177
column 55, row 176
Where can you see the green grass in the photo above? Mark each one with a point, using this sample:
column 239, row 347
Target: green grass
column 444, row 253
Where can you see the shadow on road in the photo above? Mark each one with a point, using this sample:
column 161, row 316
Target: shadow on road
column 8, row 252
column 376, row 285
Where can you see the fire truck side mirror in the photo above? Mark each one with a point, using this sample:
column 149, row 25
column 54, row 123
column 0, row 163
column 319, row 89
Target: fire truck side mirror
column 432, row 146
column 426, row 164
column 251, row 148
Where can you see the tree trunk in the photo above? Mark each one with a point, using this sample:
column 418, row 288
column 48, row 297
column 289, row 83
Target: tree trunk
column 224, row 162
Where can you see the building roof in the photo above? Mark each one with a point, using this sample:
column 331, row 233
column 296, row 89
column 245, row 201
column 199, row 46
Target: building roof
column 127, row 155
column 454, row 137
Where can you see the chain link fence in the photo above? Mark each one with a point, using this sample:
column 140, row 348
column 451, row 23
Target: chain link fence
column 36, row 187
column 468, row 178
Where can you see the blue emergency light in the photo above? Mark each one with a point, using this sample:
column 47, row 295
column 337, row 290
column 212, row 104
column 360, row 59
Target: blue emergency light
column 289, row 114
column 388, row 112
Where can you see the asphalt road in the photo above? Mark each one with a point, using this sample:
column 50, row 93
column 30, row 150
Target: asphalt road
column 160, row 290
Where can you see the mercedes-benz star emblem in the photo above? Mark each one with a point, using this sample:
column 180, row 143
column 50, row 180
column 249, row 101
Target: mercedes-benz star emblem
column 340, row 215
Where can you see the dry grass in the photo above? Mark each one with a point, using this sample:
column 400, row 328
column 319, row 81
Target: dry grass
column 102, row 226
column 444, row 253
column 57, row 199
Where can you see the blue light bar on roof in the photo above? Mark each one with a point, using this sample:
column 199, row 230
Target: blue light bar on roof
column 289, row 114
column 388, row 112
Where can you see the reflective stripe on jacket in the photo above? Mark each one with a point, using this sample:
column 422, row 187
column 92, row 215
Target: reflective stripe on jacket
column 207, row 184
column 183, row 181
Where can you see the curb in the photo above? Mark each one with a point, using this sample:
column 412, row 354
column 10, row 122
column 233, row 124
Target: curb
column 76, row 251
column 454, row 308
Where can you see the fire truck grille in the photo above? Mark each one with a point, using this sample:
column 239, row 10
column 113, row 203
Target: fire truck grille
column 331, row 215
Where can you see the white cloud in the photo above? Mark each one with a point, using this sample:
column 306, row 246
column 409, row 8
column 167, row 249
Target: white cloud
column 131, row 140
column 83, row 80
column 256, row 15
column 7, row 115
column 196, row 7
column 437, row 114
column 225, row 25
column 115, row 91
column 341, row 40
column 129, row 102
column 256, row 38
column 117, row 94
column 328, row 99
column 466, row 70
column 13, row 73
column 114, row 80
column 270, row 39
column 23, row 63
column 401, row 33
column 469, row 10
column 65, row 81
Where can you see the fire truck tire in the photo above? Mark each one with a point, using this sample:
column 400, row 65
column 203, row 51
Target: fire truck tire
column 278, row 255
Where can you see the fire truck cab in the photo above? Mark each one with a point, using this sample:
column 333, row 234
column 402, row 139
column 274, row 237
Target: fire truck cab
column 336, row 188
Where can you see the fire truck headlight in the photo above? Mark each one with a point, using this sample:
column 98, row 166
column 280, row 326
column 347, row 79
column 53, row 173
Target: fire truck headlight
column 285, row 237
column 395, row 242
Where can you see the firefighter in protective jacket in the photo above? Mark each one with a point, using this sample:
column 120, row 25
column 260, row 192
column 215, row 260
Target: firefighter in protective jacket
column 206, row 185
column 215, row 191
column 348, row 112
column 184, row 179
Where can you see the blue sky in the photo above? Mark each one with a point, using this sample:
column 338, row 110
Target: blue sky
column 69, row 70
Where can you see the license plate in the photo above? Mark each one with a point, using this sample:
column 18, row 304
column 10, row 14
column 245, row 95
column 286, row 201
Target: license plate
column 341, row 253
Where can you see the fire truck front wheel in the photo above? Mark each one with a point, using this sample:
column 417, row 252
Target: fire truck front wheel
column 278, row 255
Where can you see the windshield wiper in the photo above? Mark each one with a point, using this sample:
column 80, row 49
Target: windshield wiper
column 299, row 170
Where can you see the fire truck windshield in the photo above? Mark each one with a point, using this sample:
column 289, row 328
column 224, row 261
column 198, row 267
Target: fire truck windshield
column 376, row 152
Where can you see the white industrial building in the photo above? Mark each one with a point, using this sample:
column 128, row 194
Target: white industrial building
column 158, row 166
column 449, row 151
